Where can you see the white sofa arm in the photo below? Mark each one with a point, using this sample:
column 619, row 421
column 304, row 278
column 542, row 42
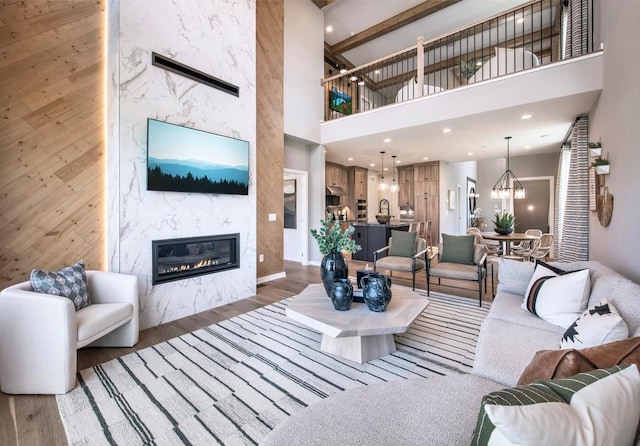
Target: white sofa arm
column 38, row 337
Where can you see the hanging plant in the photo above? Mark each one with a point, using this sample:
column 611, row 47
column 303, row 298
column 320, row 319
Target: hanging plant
column 600, row 162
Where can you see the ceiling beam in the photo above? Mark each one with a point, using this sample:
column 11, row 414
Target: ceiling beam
column 322, row 3
column 398, row 21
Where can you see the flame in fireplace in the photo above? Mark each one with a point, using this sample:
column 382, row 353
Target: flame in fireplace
column 189, row 267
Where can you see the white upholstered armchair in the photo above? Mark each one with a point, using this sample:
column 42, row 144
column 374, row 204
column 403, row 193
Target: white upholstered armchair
column 40, row 333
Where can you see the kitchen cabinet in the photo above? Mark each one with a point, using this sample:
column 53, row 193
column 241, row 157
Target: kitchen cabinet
column 357, row 190
column 335, row 175
column 373, row 236
column 405, row 186
column 426, row 186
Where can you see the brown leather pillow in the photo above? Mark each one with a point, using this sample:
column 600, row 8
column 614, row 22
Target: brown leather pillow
column 549, row 364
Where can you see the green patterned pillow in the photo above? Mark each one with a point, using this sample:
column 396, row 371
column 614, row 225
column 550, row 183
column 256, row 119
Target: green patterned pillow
column 403, row 244
column 69, row 282
column 597, row 407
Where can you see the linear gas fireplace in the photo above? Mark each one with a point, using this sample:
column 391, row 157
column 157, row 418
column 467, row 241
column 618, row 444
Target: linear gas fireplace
column 180, row 258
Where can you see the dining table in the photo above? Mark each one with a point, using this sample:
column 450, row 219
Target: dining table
column 509, row 238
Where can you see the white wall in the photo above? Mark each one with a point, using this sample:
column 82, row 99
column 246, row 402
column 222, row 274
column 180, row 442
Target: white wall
column 453, row 175
column 614, row 120
column 303, row 69
column 145, row 91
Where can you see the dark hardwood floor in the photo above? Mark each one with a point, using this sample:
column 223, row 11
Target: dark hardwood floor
column 34, row 419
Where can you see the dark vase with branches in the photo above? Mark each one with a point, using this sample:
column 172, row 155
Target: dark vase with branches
column 331, row 242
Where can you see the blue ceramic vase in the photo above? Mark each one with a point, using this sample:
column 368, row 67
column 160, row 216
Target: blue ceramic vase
column 342, row 294
column 376, row 290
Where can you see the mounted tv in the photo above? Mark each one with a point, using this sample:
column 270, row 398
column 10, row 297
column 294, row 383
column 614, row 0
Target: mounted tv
column 340, row 102
column 181, row 159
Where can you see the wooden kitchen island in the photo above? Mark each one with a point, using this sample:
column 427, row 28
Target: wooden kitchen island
column 373, row 236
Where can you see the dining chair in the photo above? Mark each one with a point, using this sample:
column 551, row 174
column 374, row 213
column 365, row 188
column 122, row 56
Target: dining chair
column 543, row 247
column 488, row 249
column 525, row 247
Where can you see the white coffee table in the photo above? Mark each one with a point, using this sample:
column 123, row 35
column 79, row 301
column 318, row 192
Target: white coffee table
column 359, row 334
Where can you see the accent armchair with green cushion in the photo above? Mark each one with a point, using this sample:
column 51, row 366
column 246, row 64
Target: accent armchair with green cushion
column 406, row 252
column 459, row 258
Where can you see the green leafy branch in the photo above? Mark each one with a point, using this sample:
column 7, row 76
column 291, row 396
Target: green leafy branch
column 330, row 237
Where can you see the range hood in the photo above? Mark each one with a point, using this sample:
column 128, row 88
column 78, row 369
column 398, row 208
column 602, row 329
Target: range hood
column 335, row 190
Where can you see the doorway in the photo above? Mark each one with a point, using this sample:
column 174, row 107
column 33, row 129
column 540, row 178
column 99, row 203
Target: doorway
column 296, row 225
column 536, row 210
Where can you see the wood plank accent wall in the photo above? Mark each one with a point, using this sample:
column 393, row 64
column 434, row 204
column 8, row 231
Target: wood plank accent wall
column 51, row 135
column 270, row 135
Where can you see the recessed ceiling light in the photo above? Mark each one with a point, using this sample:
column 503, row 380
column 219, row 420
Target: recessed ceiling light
column 385, row 169
column 387, row 140
column 446, row 130
column 352, row 33
column 376, row 72
column 425, row 158
column 527, row 147
column 372, row 165
column 525, row 117
column 350, row 158
column 470, row 153
column 329, row 28
column 398, row 162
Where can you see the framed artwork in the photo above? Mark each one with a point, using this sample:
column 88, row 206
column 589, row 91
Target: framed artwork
column 451, row 200
column 593, row 189
column 340, row 102
column 290, row 217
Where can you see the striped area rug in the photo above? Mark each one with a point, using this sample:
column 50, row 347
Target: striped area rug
column 232, row 382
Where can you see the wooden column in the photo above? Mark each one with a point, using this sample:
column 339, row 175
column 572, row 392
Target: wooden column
column 270, row 135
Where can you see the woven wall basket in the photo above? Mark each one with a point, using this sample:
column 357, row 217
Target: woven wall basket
column 605, row 207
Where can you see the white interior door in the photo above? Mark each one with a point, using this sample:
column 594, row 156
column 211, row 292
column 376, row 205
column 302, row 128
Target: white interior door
column 296, row 216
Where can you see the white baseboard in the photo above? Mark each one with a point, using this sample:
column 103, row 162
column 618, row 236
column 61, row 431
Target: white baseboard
column 271, row 277
column 314, row 263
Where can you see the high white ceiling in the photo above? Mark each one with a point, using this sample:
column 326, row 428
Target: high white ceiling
column 475, row 137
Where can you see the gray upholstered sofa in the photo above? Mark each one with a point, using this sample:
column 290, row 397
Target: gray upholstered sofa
column 443, row 411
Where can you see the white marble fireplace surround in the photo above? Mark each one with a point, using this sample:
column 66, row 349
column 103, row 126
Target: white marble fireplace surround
column 218, row 38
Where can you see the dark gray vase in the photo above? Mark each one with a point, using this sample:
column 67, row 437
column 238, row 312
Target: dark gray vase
column 376, row 290
column 333, row 266
column 504, row 231
column 342, row 294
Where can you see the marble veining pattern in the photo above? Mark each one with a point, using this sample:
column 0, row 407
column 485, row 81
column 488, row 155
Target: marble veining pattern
column 217, row 38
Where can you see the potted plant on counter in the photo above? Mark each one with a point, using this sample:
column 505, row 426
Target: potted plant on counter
column 504, row 223
column 331, row 242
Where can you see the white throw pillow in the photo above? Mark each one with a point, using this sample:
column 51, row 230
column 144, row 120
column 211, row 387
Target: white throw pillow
column 557, row 296
column 605, row 412
column 598, row 325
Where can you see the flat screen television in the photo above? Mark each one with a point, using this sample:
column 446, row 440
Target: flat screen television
column 340, row 102
column 181, row 159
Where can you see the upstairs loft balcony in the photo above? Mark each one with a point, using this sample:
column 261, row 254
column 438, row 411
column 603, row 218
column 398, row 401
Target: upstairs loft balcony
column 540, row 51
